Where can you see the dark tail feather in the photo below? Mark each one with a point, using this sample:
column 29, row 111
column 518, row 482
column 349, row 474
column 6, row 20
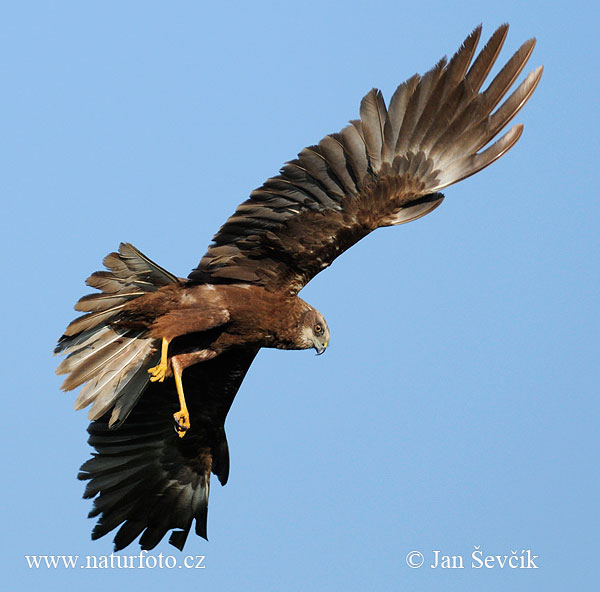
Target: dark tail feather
column 111, row 362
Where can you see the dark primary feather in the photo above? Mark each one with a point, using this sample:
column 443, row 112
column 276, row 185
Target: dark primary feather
column 145, row 478
column 384, row 169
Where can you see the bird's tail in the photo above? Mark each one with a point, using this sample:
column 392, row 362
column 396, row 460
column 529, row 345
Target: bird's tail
column 111, row 361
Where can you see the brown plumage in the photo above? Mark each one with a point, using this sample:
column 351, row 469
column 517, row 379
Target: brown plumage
column 146, row 326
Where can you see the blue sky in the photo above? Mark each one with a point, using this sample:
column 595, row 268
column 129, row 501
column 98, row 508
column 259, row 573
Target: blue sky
column 457, row 403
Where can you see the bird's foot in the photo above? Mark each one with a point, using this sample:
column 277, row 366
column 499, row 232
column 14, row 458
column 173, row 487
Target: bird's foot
column 182, row 422
column 158, row 373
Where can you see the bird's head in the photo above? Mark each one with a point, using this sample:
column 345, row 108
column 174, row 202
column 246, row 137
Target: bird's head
column 314, row 331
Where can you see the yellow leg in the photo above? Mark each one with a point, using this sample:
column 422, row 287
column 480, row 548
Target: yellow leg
column 182, row 417
column 158, row 373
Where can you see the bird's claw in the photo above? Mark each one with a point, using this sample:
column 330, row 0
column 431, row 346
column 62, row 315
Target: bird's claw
column 158, row 373
column 182, row 423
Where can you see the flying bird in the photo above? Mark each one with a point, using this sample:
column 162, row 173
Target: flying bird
column 161, row 358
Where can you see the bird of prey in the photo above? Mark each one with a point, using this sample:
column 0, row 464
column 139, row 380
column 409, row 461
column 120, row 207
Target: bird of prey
column 156, row 352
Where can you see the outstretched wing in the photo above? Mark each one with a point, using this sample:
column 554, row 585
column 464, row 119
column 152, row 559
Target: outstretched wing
column 147, row 479
column 381, row 170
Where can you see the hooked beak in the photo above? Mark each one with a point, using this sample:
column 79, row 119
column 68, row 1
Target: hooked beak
column 321, row 347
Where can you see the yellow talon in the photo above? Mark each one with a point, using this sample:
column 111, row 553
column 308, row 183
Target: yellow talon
column 159, row 372
column 182, row 419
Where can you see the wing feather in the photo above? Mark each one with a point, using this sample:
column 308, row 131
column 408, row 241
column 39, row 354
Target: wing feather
column 396, row 113
column 422, row 96
column 373, row 114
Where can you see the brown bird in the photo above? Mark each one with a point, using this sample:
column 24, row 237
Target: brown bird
column 153, row 346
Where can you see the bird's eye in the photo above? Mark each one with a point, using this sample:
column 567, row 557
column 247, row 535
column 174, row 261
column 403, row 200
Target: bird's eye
column 318, row 329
